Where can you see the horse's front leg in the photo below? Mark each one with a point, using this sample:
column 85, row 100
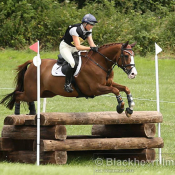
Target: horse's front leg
column 131, row 103
column 110, row 89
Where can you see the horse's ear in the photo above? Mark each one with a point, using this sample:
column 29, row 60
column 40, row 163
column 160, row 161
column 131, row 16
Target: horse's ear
column 125, row 44
column 132, row 45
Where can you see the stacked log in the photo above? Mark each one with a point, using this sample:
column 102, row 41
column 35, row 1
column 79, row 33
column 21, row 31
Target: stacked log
column 17, row 138
column 125, row 130
column 113, row 135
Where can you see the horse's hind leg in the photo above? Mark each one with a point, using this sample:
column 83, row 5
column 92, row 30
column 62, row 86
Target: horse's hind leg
column 21, row 96
column 32, row 108
column 17, row 108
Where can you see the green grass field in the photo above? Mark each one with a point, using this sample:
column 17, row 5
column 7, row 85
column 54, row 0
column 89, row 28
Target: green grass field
column 143, row 89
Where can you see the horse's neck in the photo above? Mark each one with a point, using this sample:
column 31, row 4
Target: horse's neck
column 110, row 51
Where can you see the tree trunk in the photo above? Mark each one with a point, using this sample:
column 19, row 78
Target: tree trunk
column 6, row 144
column 96, row 118
column 54, row 157
column 100, row 144
column 17, row 119
column 125, row 130
column 30, row 132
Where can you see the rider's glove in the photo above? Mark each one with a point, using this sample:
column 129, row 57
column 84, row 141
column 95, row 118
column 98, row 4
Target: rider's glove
column 95, row 49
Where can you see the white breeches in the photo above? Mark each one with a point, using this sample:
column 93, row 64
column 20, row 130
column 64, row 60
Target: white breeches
column 66, row 52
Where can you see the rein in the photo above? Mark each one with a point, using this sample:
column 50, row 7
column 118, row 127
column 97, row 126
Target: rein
column 108, row 71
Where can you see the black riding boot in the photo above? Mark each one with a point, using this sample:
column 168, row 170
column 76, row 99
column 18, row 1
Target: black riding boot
column 69, row 74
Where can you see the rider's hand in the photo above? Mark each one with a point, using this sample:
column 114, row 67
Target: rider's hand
column 95, row 49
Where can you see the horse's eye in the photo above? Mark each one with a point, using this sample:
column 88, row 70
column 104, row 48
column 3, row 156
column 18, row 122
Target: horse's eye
column 126, row 56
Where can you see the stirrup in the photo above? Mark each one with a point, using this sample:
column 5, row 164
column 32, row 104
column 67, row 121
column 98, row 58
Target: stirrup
column 68, row 88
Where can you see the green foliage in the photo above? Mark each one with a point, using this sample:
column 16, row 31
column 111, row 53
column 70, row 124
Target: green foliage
column 167, row 33
column 22, row 22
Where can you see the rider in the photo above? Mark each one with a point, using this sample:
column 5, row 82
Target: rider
column 71, row 42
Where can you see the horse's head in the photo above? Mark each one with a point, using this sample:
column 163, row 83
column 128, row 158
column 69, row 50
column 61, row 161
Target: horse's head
column 126, row 60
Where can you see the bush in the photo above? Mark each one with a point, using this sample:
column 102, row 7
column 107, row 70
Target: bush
column 23, row 22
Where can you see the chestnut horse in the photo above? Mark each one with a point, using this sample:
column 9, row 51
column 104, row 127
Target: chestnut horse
column 95, row 78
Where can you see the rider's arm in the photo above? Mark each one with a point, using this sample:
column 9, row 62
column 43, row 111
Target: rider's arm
column 90, row 41
column 78, row 45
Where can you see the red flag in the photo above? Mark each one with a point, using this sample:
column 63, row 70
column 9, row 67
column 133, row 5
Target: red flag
column 34, row 47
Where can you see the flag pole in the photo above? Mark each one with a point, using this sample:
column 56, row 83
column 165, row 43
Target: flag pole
column 37, row 63
column 38, row 107
column 158, row 50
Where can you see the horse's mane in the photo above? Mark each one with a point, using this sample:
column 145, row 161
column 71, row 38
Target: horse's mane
column 108, row 45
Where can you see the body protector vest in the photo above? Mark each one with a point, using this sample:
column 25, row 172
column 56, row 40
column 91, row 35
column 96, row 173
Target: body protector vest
column 82, row 34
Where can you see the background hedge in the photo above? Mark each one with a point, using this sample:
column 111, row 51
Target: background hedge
column 22, row 22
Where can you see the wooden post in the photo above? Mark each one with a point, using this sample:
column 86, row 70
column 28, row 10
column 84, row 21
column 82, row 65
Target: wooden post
column 102, row 118
column 54, row 157
column 30, row 132
column 17, row 119
column 100, row 144
column 125, row 130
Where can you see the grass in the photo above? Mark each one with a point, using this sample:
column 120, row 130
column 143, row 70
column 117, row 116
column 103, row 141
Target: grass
column 143, row 91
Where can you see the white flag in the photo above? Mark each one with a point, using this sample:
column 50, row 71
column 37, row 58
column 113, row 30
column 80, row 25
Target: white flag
column 158, row 49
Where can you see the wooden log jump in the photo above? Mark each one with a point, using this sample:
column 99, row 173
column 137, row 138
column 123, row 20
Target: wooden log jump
column 6, row 144
column 17, row 119
column 111, row 132
column 100, row 144
column 125, row 130
column 99, row 118
column 54, row 157
column 30, row 132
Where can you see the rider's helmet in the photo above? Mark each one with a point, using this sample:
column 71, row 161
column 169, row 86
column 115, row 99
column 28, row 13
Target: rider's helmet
column 90, row 19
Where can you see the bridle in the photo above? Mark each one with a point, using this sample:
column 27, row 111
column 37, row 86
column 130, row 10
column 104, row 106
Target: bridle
column 122, row 57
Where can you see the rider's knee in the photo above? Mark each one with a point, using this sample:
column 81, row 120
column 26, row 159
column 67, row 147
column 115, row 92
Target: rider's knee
column 72, row 64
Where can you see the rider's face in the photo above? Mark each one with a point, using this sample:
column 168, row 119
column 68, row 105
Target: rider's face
column 89, row 27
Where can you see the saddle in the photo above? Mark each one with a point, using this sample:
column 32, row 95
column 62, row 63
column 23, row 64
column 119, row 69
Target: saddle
column 64, row 64
column 60, row 68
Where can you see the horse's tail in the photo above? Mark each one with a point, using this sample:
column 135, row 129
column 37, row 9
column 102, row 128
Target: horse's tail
column 9, row 100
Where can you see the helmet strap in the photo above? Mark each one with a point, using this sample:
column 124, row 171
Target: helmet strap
column 84, row 25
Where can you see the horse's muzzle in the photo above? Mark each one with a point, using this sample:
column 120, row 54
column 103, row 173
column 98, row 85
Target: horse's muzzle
column 132, row 73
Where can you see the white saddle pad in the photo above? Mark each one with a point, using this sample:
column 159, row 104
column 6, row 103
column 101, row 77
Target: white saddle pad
column 56, row 70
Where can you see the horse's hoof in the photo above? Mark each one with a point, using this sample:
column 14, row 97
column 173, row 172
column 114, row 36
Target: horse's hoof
column 128, row 112
column 119, row 109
